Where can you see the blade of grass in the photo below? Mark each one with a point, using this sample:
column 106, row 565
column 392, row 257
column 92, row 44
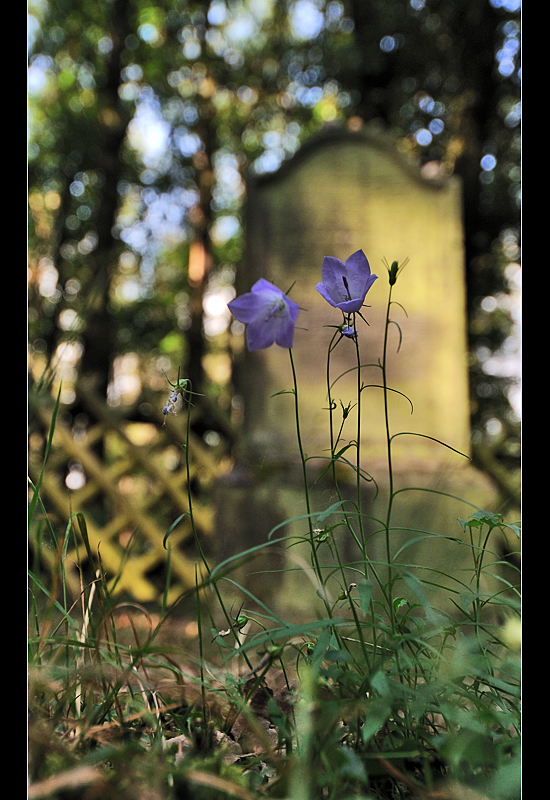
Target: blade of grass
column 34, row 499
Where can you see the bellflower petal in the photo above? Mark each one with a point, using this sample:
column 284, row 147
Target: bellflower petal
column 269, row 314
column 345, row 286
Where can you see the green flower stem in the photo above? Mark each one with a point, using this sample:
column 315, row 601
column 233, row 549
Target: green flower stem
column 358, row 462
column 358, row 626
column 366, row 560
column 361, row 543
column 334, row 444
column 316, row 564
column 390, row 465
column 330, row 411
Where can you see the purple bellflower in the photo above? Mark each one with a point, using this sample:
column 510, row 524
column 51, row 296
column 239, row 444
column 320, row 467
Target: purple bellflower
column 345, row 286
column 269, row 314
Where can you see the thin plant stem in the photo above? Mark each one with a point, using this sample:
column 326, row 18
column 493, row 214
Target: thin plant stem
column 357, row 622
column 201, row 658
column 330, row 410
column 361, row 542
column 366, row 560
column 316, row 565
column 390, row 465
column 358, row 476
column 334, row 444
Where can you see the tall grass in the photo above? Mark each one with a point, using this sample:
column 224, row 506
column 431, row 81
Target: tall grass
column 384, row 695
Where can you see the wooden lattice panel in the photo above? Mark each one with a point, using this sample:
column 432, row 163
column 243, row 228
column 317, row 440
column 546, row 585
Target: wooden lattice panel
column 133, row 491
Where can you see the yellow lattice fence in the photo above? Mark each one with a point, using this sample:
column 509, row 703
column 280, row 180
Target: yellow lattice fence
column 134, row 490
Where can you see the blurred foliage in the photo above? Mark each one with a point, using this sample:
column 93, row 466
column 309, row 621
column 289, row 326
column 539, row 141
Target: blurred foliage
column 146, row 116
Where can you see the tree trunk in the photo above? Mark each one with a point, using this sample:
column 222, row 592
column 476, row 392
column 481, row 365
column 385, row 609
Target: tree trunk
column 99, row 335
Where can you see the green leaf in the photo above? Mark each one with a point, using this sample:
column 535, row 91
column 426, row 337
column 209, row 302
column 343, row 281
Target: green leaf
column 378, row 712
column 379, row 683
column 515, row 527
column 416, row 586
column 364, row 588
column 506, row 783
column 399, row 602
column 81, row 519
column 171, row 528
column 352, row 766
column 480, row 518
column 339, row 656
column 36, row 492
column 320, row 650
column 327, row 512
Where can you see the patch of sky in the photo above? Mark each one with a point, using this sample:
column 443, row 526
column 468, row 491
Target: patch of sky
column 148, row 33
column 173, row 110
column 39, row 74
column 426, row 103
column 224, row 229
column 423, row 136
column 217, row 316
column 240, row 29
column 105, row 45
column 309, row 97
column 133, row 72
column 505, row 362
column 488, row 162
column 334, row 13
column 269, row 161
column 506, row 5
column 77, row 188
column 387, row 44
column 436, row 126
column 229, row 187
column 148, row 132
column 136, row 236
column 271, row 139
column 192, row 49
column 506, row 55
column 217, row 13
column 513, row 117
column 158, row 220
column 33, row 29
column 187, row 143
column 216, row 41
column 306, row 19
column 128, row 91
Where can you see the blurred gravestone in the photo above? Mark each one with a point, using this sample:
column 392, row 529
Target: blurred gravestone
column 343, row 192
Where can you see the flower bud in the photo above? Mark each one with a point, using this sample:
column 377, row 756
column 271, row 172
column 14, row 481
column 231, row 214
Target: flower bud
column 394, row 269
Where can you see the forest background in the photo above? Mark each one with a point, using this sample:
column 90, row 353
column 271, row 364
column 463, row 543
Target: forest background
column 146, row 118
